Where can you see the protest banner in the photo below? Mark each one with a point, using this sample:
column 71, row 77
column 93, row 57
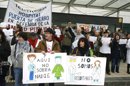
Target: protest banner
column 43, row 68
column 85, row 70
column 29, row 19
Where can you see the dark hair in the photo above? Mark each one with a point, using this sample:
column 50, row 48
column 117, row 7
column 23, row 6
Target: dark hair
column 3, row 36
column 23, row 35
column 50, row 30
column 30, row 56
column 88, row 33
column 116, row 34
column 85, row 43
column 33, row 34
column 106, row 32
column 39, row 31
column 19, row 27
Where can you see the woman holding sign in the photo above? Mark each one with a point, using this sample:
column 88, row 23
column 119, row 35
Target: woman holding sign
column 105, row 50
column 21, row 47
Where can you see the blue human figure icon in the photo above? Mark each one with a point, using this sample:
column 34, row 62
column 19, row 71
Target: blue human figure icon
column 31, row 66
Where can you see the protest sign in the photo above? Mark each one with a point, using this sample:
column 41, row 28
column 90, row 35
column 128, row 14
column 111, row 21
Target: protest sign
column 93, row 39
column 43, row 68
column 85, row 70
column 122, row 41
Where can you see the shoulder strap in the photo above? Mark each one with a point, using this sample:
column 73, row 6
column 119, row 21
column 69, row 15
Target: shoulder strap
column 15, row 50
column 30, row 48
column 74, row 51
column 77, row 51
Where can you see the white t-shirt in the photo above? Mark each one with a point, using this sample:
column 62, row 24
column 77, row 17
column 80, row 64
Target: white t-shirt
column 58, row 32
column 105, row 49
column 8, row 34
column 49, row 46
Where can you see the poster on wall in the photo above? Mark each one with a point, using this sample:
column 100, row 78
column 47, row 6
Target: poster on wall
column 98, row 27
column 29, row 19
column 85, row 70
column 91, row 27
column 44, row 68
column 95, row 27
column 104, row 27
column 85, row 27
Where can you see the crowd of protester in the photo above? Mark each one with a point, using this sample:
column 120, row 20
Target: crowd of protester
column 72, row 40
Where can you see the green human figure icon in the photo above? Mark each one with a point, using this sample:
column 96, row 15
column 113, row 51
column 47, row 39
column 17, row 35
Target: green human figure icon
column 58, row 68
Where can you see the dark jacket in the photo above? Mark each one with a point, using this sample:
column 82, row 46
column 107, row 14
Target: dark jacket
column 80, row 52
column 115, row 49
column 43, row 47
column 13, row 41
column 72, row 34
column 5, row 51
column 67, row 38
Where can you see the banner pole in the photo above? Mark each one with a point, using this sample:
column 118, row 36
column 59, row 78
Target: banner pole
column 51, row 12
column 7, row 8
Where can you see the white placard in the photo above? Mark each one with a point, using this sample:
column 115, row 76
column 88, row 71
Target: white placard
column 44, row 68
column 93, row 39
column 122, row 41
column 85, row 70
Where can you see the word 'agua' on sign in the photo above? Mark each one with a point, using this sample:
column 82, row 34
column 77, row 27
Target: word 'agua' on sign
column 43, row 60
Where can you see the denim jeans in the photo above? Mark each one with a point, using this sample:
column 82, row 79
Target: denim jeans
column 18, row 77
column 115, row 64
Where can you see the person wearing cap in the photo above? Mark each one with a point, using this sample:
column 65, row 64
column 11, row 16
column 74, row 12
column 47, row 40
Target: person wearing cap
column 48, row 45
column 22, row 46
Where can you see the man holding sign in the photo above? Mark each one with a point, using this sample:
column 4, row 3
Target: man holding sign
column 48, row 45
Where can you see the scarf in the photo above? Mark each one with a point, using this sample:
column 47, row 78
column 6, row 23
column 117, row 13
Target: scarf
column 33, row 42
column 21, row 48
